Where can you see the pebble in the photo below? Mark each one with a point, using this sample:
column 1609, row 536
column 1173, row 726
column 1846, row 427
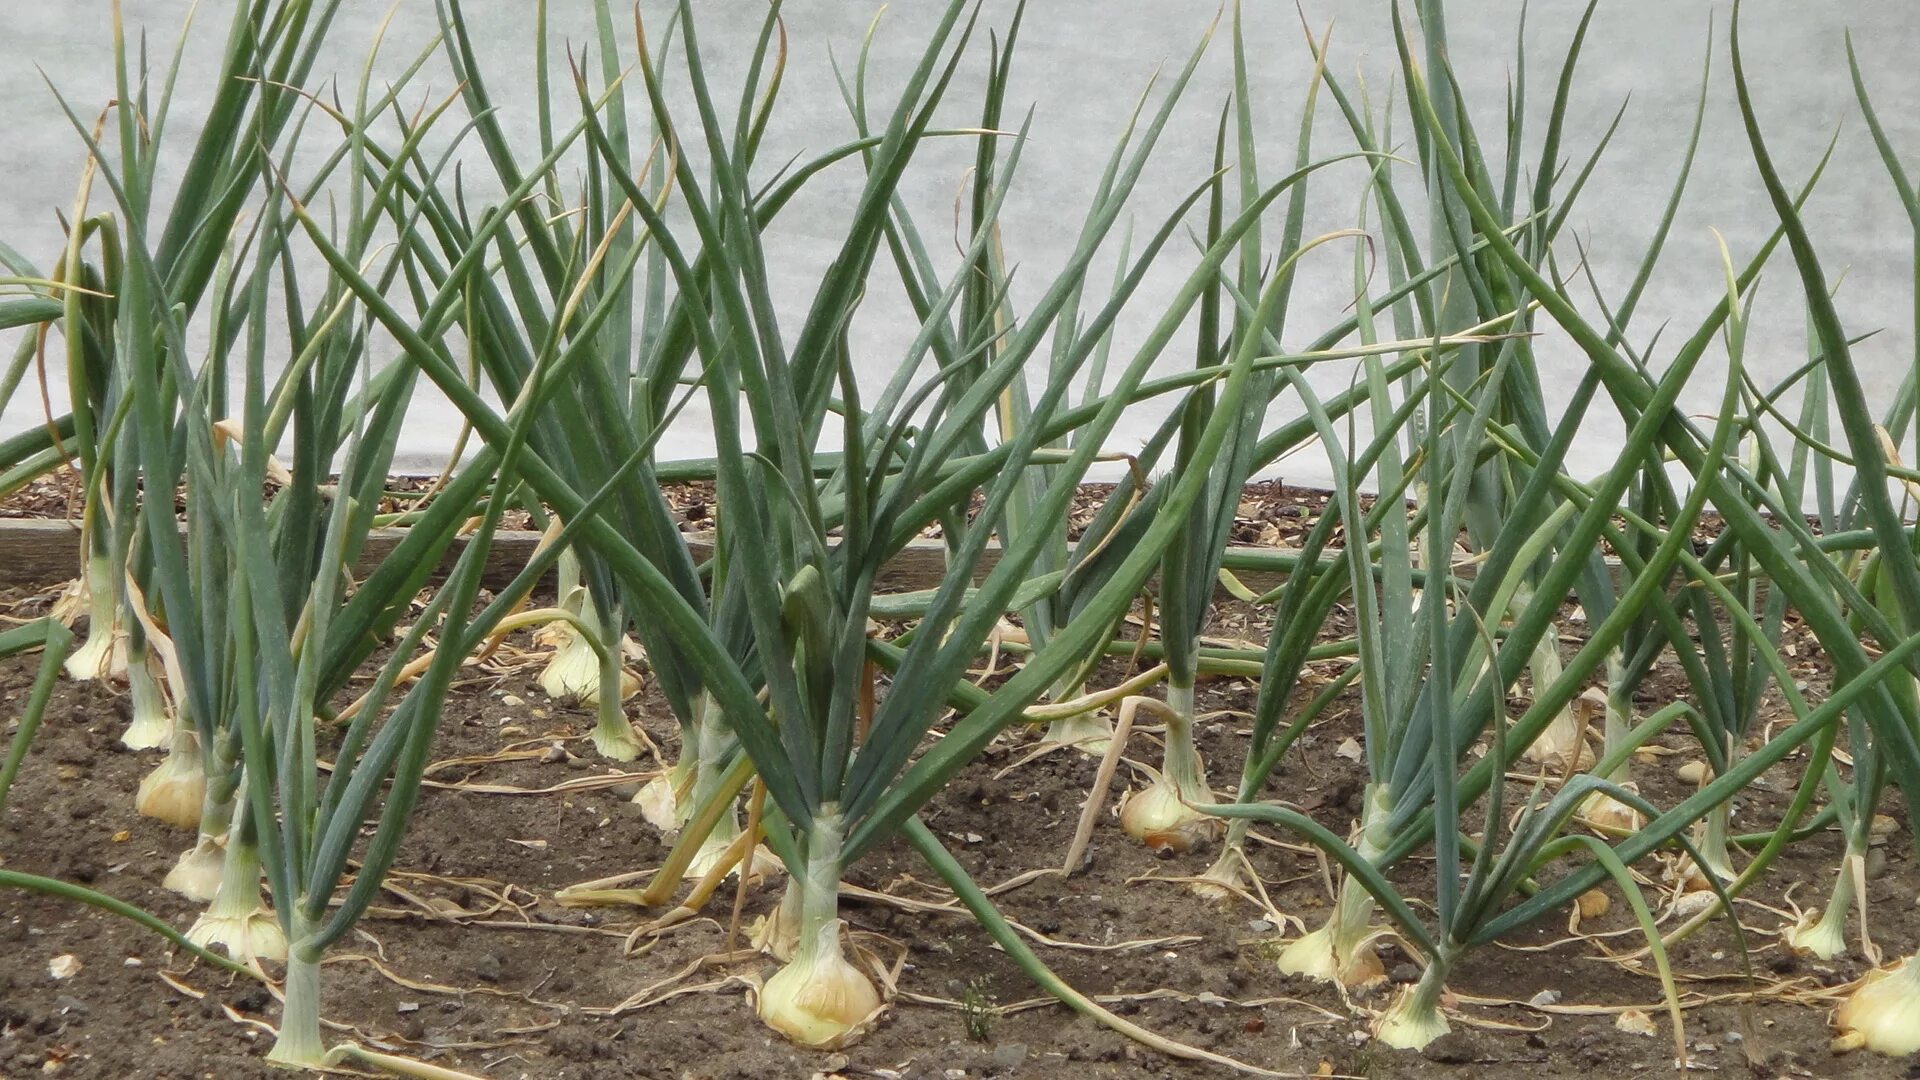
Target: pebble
column 1009, row 1056
column 487, row 968
column 1876, row 863
column 626, row 790
column 1404, row 974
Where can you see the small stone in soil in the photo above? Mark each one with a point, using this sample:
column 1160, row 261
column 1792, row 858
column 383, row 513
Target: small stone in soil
column 1404, row 974
column 487, row 968
column 1009, row 1056
column 1876, row 863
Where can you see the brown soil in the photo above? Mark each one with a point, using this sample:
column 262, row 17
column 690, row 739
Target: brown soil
column 528, row 989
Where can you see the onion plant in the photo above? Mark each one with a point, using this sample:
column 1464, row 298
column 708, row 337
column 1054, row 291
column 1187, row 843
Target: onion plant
column 625, row 272
column 246, row 602
column 808, row 594
column 834, row 794
column 1163, row 815
column 1712, row 475
column 1417, row 742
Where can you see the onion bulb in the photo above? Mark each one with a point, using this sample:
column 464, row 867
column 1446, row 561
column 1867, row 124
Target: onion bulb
column 1609, row 814
column 1224, row 879
column 1825, row 934
column 760, row 861
column 613, row 735
column 1883, row 1014
column 173, row 791
column 1157, row 817
column 659, row 799
column 819, row 999
column 152, row 723
column 1413, row 1020
column 196, row 873
column 247, row 933
column 574, row 671
column 1318, row 955
column 1818, row 935
column 104, row 655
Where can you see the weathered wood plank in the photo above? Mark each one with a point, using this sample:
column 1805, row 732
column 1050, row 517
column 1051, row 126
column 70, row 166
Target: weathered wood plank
column 38, row 553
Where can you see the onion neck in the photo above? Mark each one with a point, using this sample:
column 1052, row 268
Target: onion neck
column 1182, row 765
column 820, row 889
column 94, row 658
column 1907, row 978
column 151, row 724
column 1715, row 849
column 239, row 895
column 1826, row 937
column 613, row 734
column 1619, row 726
column 1350, row 925
column 713, row 744
column 299, row 1041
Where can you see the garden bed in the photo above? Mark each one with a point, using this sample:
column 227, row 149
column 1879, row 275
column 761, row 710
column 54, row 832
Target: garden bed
column 471, row 964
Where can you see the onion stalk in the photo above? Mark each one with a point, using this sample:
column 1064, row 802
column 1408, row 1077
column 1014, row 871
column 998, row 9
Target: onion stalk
column 1340, row 951
column 298, row 1042
column 104, row 654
